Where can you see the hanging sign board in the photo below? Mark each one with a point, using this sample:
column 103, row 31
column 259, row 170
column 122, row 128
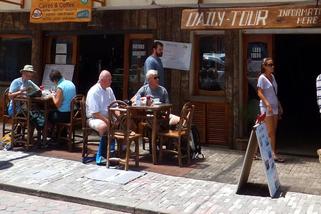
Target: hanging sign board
column 255, row 17
column 46, row 11
column 259, row 138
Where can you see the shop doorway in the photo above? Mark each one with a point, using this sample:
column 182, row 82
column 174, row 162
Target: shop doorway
column 97, row 52
column 297, row 64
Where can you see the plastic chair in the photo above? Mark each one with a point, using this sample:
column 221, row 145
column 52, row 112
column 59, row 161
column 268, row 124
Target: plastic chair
column 120, row 123
column 182, row 131
column 75, row 122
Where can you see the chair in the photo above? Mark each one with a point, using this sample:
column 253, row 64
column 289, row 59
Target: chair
column 6, row 119
column 182, row 131
column 87, row 143
column 120, row 123
column 21, row 122
column 74, row 122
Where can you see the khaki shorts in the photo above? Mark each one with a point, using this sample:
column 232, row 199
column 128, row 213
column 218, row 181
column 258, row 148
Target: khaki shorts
column 95, row 123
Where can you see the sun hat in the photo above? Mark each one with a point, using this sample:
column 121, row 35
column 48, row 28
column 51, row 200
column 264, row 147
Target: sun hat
column 28, row 68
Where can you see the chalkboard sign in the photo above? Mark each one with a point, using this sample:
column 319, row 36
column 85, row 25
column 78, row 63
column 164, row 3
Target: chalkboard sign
column 259, row 138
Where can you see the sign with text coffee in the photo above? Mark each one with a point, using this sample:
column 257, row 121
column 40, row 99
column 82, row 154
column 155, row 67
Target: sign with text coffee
column 256, row 17
column 55, row 11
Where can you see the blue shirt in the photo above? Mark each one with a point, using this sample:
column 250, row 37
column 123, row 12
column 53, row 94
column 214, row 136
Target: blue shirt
column 68, row 91
column 155, row 63
column 18, row 84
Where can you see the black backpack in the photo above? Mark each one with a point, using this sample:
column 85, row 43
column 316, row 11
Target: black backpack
column 195, row 144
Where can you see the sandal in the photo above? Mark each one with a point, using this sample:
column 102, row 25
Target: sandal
column 257, row 157
column 279, row 160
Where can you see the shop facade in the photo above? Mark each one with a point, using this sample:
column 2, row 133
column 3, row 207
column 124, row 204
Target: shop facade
column 219, row 81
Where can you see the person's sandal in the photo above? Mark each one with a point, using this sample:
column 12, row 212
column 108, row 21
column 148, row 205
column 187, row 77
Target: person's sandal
column 279, row 160
column 257, row 157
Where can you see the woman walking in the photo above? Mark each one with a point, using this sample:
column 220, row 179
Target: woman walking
column 269, row 104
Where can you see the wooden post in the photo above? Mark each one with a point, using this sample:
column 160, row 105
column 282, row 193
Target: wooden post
column 36, row 55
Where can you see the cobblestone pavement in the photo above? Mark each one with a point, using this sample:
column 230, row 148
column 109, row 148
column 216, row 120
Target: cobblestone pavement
column 223, row 165
column 13, row 203
column 152, row 192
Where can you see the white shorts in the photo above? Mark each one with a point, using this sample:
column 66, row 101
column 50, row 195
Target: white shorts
column 95, row 123
column 275, row 110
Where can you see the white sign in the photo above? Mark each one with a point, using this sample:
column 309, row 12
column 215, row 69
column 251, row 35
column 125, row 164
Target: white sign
column 267, row 158
column 176, row 55
column 61, row 59
column 61, row 48
column 67, row 71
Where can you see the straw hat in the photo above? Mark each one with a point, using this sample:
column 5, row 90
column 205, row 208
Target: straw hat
column 28, row 68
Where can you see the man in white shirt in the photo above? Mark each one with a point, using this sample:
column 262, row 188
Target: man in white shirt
column 98, row 99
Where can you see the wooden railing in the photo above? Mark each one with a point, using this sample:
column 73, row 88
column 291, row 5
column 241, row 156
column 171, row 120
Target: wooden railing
column 21, row 3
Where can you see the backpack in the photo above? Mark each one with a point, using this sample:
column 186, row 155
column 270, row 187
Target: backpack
column 195, row 144
column 6, row 142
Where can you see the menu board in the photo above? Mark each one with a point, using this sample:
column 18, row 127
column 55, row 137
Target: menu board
column 267, row 158
column 176, row 55
column 67, row 71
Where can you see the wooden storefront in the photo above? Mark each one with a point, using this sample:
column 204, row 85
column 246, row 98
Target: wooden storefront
column 214, row 111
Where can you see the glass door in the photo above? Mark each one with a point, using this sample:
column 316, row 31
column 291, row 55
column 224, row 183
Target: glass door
column 137, row 48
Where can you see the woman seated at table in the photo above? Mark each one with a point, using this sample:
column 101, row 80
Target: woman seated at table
column 65, row 91
column 156, row 91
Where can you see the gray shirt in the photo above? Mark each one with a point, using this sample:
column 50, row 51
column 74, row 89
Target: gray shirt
column 160, row 92
column 155, row 63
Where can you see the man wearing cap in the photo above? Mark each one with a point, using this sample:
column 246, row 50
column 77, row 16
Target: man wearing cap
column 22, row 85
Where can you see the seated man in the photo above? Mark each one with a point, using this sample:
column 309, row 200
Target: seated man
column 98, row 99
column 22, row 86
column 156, row 91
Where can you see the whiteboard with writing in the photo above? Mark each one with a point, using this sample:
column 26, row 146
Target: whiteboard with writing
column 67, row 71
column 267, row 158
column 176, row 55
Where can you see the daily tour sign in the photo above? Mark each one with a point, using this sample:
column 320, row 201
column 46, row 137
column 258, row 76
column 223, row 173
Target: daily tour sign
column 256, row 17
column 49, row 11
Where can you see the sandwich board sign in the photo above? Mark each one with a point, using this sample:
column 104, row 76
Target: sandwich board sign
column 259, row 138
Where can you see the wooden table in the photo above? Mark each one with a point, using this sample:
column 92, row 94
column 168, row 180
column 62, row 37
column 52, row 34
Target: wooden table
column 45, row 104
column 154, row 111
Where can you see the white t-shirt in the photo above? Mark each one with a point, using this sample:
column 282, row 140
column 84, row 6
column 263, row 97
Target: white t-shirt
column 268, row 91
column 98, row 100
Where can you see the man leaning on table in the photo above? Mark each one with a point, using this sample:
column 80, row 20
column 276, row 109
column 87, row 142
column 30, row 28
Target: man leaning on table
column 156, row 91
column 98, row 99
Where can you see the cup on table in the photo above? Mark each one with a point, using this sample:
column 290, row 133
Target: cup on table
column 156, row 100
column 143, row 101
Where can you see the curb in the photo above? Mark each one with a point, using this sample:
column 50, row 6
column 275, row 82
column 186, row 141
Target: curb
column 77, row 200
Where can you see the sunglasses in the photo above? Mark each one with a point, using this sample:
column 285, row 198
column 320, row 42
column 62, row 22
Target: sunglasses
column 270, row 64
column 156, row 78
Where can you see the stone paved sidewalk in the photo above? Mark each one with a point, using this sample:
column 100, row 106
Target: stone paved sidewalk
column 14, row 203
column 154, row 193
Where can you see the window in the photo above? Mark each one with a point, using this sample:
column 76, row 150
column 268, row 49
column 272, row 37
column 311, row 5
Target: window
column 15, row 52
column 209, row 67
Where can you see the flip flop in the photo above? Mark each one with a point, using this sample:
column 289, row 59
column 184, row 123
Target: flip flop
column 256, row 157
column 279, row 160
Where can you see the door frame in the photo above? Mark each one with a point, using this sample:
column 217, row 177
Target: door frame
column 128, row 38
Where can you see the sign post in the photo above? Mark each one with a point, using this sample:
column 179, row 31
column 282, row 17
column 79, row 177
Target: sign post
column 259, row 138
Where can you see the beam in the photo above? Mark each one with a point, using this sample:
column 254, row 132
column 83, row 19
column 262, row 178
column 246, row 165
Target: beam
column 21, row 4
column 102, row 2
